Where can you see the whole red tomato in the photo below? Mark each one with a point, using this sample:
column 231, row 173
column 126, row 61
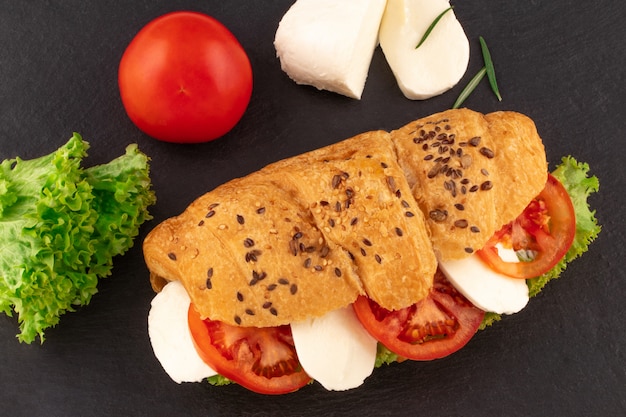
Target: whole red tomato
column 185, row 78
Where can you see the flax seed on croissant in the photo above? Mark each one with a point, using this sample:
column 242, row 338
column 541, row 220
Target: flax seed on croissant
column 368, row 215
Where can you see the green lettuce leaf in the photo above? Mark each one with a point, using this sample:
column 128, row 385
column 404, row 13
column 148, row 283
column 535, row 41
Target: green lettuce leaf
column 60, row 227
column 122, row 194
column 219, row 380
column 579, row 185
column 384, row 356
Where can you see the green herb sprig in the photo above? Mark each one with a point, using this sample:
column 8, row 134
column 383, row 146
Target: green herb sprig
column 470, row 87
column 491, row 72
column 432, row 26
column 488, row 70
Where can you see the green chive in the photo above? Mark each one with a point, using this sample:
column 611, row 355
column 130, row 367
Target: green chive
column 432, row 26
column 491, row 72
column 470, row 87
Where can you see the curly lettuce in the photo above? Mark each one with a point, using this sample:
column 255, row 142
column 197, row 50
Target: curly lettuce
column 60, row 227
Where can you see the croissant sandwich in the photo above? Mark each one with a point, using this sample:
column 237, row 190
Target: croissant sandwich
column 373, row 217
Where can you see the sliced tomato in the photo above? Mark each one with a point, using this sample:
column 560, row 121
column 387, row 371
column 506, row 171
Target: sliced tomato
column 263, row 360
column 544, row 232
column 435, row 327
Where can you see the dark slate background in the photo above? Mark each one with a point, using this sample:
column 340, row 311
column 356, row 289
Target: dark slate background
column 560, row 62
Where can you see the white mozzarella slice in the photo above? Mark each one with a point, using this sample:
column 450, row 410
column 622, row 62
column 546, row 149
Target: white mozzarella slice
column 335, row 349
column 439, row 63
column 329, row 44
column 485, row 288
column 170, row 336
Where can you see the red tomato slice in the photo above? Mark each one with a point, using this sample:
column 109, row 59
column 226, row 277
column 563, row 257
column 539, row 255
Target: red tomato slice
column 545, row 229
column 435, row 327
column 263, row 360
